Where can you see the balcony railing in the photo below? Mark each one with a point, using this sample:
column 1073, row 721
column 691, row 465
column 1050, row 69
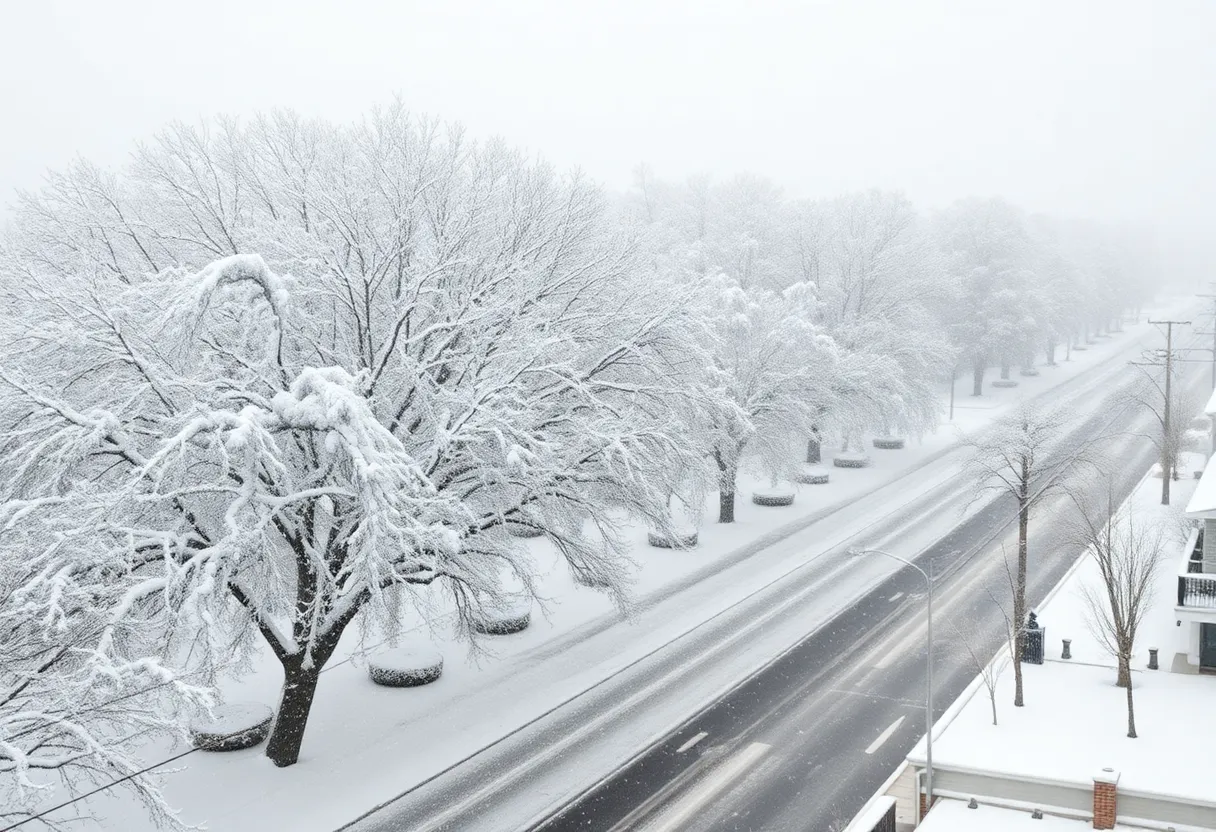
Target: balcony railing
column 1195, row 587
column 1197, row 591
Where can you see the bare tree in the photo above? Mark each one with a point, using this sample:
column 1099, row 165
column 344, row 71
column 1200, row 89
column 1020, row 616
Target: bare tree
column 1172, row 421
column 1127, row 554
column 989, row 672
column 1016, row 458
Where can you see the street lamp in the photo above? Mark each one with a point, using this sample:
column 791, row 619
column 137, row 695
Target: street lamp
column 928, row 576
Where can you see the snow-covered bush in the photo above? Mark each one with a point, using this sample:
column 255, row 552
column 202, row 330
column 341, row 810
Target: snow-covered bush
column 773, row 497
column 506, row 616
column 524, row 531
column 1005, row 383
column 812, row 475
column 405, row 667
column 672, row 540
column 850, row 460
column 888, row 443
column 232, row 726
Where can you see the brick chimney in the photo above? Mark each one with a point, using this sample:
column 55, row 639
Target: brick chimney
column 1106, row 798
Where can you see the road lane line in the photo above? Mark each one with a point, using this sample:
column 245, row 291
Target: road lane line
column 885, row 735
column 896, row 596
column 716, row 781
column 691, row 742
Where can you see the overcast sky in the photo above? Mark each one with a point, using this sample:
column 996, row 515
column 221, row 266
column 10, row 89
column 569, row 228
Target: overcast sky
column 1103, row 108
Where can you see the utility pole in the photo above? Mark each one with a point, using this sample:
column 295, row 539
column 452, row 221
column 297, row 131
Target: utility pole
column 1213, row 333
column 1166, row 442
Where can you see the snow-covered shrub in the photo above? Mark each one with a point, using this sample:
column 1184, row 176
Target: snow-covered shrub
column 675, row 540
column 812, row 475
column 507, row 616
column 405, row 667
column 525, row 531
column 1079, row 348
column 851, row 459
column 1005, row 383
column 1029, row 372
column 888, row 443
column 773, row 497
column 232, row 726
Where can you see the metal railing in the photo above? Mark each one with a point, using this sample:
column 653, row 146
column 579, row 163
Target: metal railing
column 1196, row 588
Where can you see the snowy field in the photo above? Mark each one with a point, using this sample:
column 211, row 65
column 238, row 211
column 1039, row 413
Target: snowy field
column 369, row 743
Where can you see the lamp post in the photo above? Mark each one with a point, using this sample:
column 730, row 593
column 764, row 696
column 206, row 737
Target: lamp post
column 928, row 576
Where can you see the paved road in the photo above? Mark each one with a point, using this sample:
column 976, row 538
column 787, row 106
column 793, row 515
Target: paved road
column 803, row 744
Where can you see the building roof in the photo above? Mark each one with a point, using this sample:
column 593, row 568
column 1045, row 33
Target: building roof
column 1202, row 504
column 1210, row 409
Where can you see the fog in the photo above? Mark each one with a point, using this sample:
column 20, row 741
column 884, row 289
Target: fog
column 1095, row 109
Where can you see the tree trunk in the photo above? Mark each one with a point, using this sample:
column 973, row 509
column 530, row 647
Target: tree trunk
column 299, row 687
column 1019, row 589
column 728, row 471
column 726, row 506
column 1004, row 366
column 1131, row 706
column 992, row 699
column 1051, row 353
column 813, row 448
column 977, row 377
column 1125, row 673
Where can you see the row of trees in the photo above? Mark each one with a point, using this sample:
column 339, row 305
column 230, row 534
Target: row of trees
column 281, row 377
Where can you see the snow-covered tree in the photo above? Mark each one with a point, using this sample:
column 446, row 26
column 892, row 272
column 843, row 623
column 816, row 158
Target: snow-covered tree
column 308, row 374
column 80, row 687
column 988, row 253
column 774, row 369
column 880, row 284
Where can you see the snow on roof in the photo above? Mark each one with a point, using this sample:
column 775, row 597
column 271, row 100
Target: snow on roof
column 1074, row 722
column 954, row 816
column 1203, row 502
column 1210, row 409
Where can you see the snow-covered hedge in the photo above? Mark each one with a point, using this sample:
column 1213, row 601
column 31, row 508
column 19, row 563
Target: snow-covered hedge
column 517, row 530
column 888, row 443
column 1030, row 371
column 679, row 540
column 851, row 460
column 812, row 475
column 406, row 667
column 773, row 497
column 1080, row 348
column 511, row 616
column 1004, row 382
column 232, row 727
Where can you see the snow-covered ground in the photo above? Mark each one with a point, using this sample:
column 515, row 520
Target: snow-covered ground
column 367, row 743
column 1074, row 722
